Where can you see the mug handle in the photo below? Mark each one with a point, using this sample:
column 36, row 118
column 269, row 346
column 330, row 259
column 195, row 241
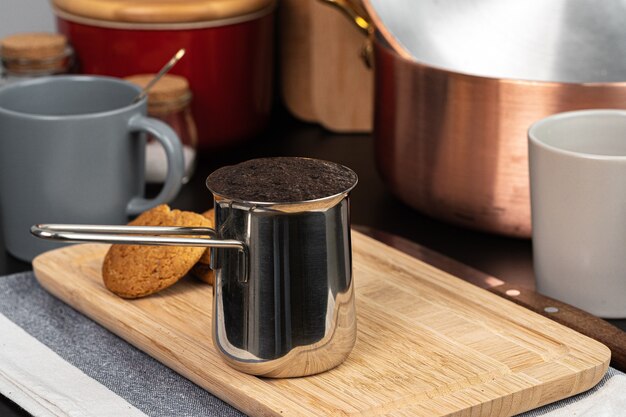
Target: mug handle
column 175, row 162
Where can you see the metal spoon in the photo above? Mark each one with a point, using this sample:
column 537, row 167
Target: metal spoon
column 168, row 66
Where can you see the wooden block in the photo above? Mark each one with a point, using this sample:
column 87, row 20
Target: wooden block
column 295, row 57
column 323, row 78
column 342, row 86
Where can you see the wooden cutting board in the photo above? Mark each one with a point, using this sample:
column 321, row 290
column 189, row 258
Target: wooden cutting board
column 428, row 343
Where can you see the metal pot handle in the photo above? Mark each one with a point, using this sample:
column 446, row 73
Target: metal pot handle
column 142, row 235
column 359, row 16
column 355, row 12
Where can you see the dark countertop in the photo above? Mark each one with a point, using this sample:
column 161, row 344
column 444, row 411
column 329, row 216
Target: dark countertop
column 372, row 205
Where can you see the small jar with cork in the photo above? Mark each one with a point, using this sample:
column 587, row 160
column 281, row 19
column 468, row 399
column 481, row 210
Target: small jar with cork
column 30, row 55
column 169, row 101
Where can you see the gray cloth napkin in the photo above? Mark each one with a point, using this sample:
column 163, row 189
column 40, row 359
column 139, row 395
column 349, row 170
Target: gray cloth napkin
column 145, row 383
column 142, row 381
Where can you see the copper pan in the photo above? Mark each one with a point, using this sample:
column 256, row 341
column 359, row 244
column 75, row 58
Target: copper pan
column 453, row 145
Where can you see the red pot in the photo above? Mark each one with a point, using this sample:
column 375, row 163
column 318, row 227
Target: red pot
column 229, row 59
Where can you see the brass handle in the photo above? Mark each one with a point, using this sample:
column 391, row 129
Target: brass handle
column 355, row 12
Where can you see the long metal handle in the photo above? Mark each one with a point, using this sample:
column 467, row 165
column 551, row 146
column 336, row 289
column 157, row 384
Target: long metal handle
column 141, row 235
column 136, row 235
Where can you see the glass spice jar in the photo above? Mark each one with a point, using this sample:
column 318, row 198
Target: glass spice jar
column 169, row 101
column 30, row 55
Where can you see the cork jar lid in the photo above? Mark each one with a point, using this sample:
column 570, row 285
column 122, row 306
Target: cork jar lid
column 160, row 11
column 33, row 46
column 169, row 92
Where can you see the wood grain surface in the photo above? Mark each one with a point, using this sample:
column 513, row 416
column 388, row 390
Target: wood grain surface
column 428, row 343
column 613, row 337
column 342, row 86
column 295, row 40
column 323, row 78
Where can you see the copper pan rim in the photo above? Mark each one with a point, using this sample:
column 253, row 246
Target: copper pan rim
column 387, row 40
column 382, row 40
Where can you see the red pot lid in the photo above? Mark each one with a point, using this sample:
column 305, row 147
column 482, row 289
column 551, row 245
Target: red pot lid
column 160, row 11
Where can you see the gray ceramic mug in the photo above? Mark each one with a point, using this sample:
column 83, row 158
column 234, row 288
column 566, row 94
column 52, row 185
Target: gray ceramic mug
column 578, row 195
column 72, row 149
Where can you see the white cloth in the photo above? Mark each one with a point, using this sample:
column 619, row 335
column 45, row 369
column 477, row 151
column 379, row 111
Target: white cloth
column 609, row 400
column 44, row 384
column 156, row 162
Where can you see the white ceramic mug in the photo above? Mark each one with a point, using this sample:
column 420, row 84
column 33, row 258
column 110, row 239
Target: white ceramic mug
column 578, row 197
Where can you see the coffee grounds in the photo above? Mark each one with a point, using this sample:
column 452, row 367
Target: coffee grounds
column 281, row 180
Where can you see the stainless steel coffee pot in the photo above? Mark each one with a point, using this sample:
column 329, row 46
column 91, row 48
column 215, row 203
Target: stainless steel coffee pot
column 283, row 298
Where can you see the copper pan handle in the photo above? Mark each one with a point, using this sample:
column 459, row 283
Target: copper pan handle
column 355, row 12
column 359, row 16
